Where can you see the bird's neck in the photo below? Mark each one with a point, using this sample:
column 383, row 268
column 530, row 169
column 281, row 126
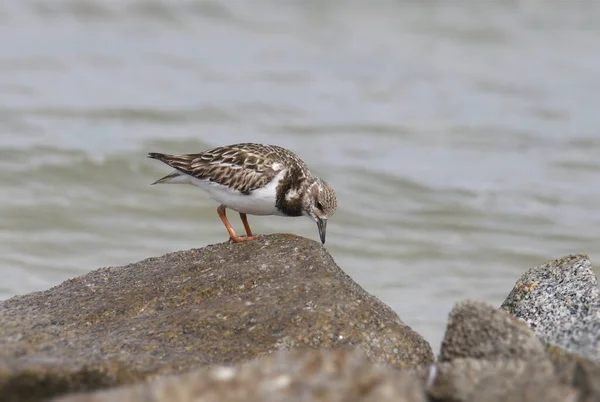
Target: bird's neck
column 290, row 193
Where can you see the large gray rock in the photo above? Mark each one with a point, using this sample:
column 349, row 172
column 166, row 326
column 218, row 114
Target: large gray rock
column 479, row 330
column 307, row 375
column 222, row 304
column 560, row 301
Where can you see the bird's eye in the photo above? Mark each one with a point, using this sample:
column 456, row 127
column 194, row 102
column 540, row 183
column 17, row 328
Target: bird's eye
column 319, row 206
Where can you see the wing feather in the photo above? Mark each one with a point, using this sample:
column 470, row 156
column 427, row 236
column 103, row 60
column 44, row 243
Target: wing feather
column 243, row 167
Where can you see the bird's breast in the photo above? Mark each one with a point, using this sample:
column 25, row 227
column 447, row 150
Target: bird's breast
column 260, row 201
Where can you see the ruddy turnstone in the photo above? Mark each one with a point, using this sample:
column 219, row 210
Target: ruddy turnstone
column 255, row 179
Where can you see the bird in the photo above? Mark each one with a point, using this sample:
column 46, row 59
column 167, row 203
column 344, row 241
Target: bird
column 254, row 179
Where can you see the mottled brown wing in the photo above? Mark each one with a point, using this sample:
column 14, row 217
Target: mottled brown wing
column 231, row 166
column 274, row 154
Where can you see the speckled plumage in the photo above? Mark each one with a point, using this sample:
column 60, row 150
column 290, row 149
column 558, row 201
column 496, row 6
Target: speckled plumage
column 257, row 179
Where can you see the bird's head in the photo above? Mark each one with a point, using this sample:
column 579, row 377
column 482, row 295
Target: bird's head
column 319, row 203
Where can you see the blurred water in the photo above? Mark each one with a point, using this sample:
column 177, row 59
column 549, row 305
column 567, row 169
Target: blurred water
column 461, row 137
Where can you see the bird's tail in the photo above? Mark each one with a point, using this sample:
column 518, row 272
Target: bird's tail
column 157, row 155
column 174, row 177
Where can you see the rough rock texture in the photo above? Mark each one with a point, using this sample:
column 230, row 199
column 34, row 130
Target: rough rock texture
column 478, row 380
column 302, row 375
column 222, row 304
column 573, row 370
column 479, row 330
column 487, row 355
column 560, row 301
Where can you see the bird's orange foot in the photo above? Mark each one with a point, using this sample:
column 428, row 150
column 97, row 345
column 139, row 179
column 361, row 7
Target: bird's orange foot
column 239, row 239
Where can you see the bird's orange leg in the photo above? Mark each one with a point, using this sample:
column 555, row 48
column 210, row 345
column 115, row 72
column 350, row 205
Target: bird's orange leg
column 249, row 234
column 246, row 224
column 235, row 238
column 223, row 216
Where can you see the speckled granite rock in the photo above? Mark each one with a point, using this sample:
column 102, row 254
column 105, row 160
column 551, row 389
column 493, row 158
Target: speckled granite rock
column 479, row 380
column 479, row 330
column 222, row 304
column 560, row 301
column 302, row 375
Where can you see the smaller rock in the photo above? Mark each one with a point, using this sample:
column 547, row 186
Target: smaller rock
column 560, row 301
column 476, row 380
column 573, row 370
column 302, row 375
column 479, row 330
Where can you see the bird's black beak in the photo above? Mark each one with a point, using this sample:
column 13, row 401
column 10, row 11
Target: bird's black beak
column 322, row 225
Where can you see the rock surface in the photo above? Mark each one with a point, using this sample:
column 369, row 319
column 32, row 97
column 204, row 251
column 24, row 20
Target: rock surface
column 488, row 356
column 222, row 304
column 303, row 375
column 560, row 301
column 577, row 372
column 479, row 330
column 479, row 380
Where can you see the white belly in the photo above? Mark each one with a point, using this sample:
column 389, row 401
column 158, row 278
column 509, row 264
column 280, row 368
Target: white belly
column 259, row 202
